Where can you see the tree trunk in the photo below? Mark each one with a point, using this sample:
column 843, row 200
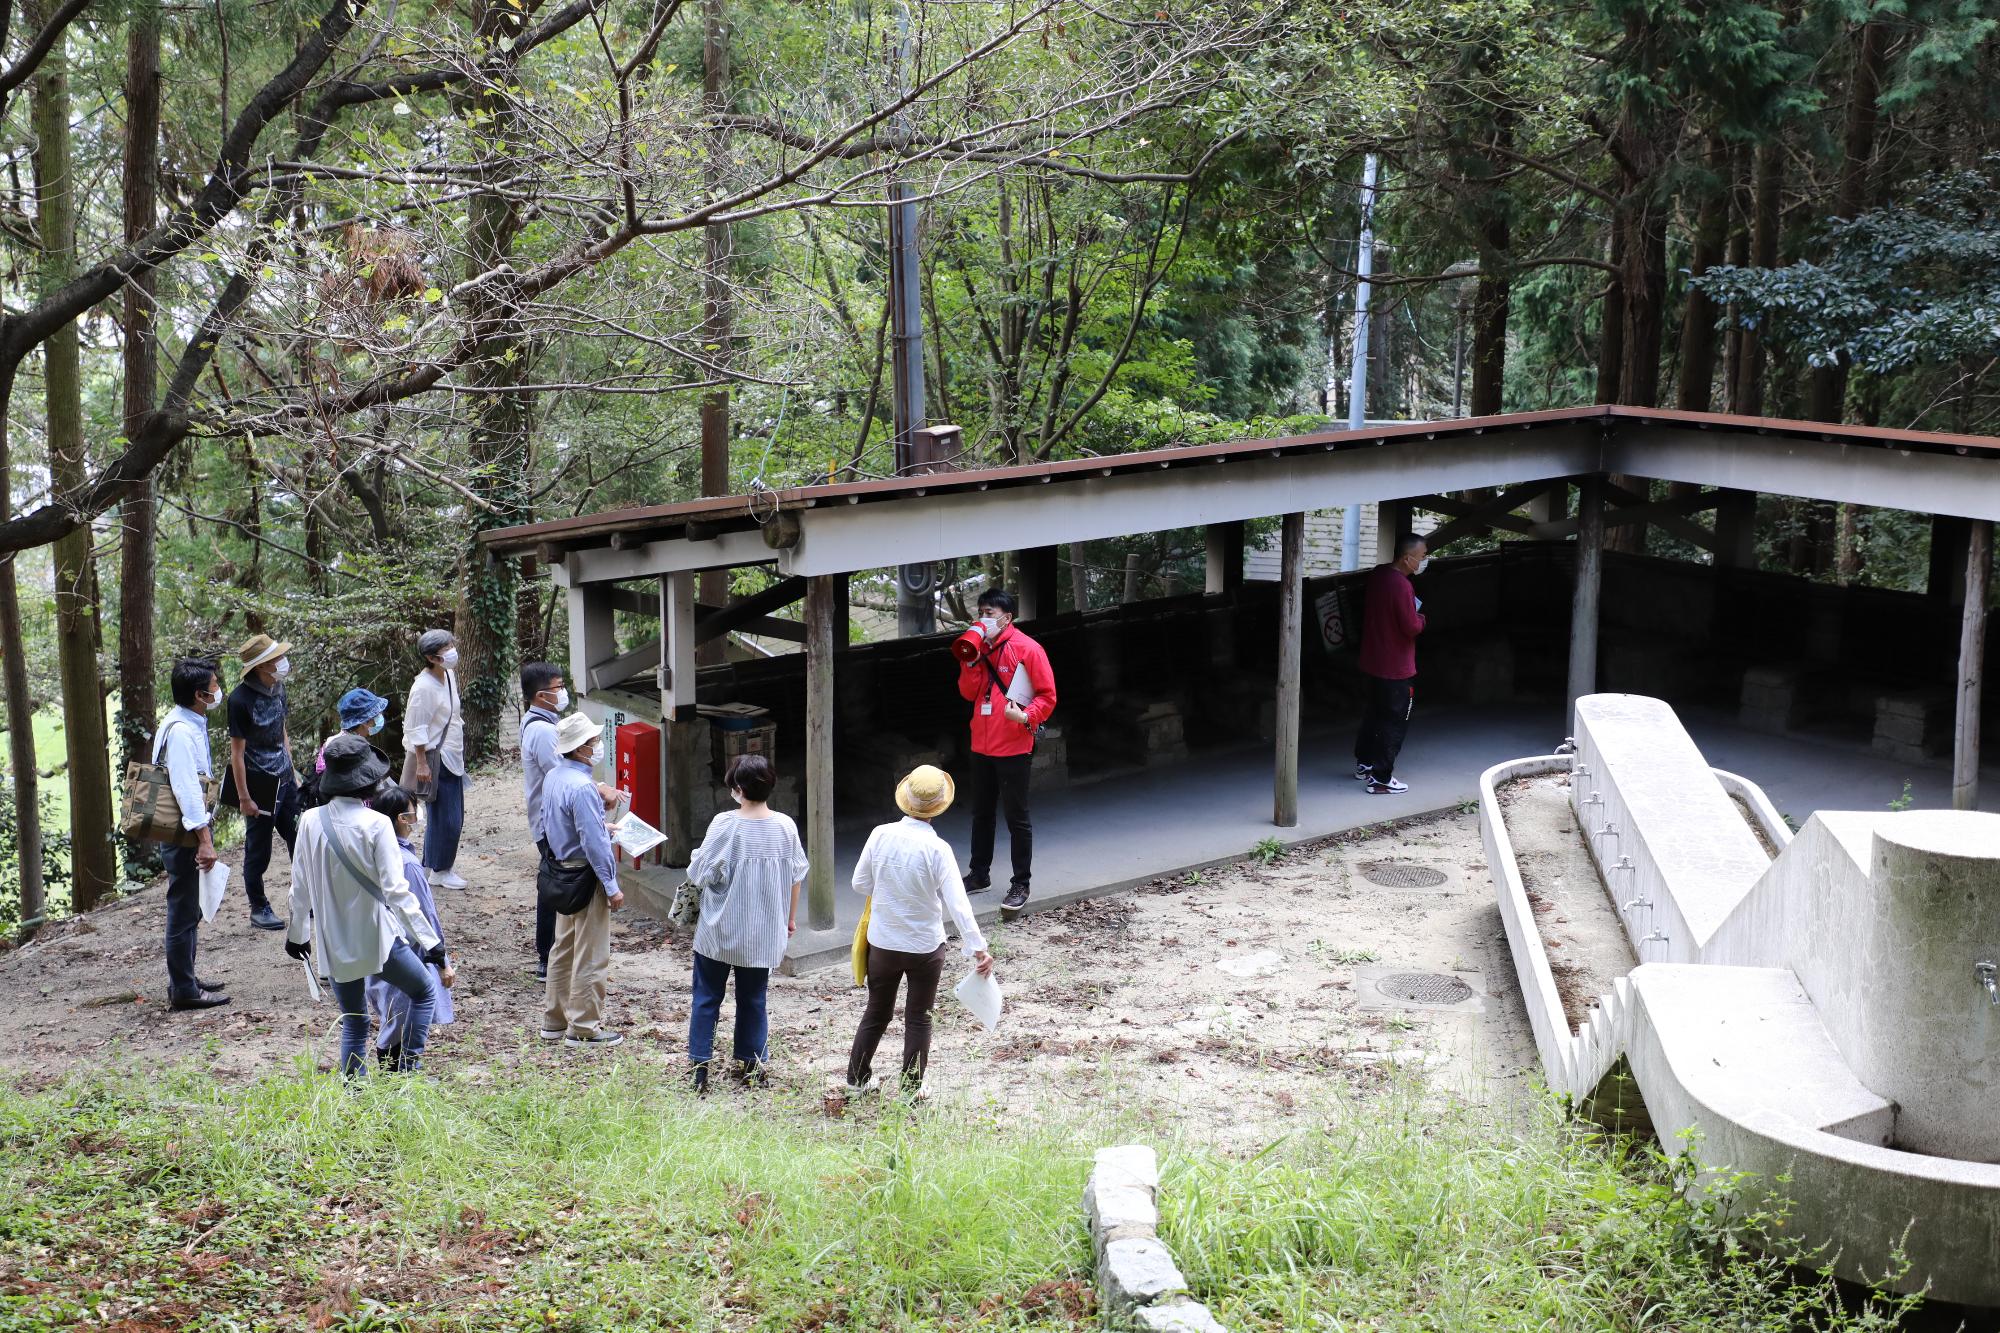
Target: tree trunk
column 136, row 658
column 1611, row 321
column 1765, row 219
column 718, row 312
column 1695, row 391
column 499, row 439
column 20, row 708
column 94, row 869
column 1827, row 392
column 1645, row 287
column 1741, row 169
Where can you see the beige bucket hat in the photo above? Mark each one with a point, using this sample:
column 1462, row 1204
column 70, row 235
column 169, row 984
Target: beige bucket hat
column 926, row 793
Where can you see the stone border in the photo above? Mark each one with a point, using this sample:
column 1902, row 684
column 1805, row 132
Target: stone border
column 1139, row 1286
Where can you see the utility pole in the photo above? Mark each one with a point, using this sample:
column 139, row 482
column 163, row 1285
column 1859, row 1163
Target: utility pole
column 1357, row 382
column 916, row 585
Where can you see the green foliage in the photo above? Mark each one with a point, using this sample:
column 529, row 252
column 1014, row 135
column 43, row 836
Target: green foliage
column 1267, row 851
column 1416, row 1217
column 614, row 1201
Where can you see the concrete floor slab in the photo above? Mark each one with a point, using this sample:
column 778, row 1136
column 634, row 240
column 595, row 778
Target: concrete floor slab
column 1100, row 837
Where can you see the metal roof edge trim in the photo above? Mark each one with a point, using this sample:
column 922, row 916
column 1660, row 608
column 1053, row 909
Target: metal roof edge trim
column 597, row 528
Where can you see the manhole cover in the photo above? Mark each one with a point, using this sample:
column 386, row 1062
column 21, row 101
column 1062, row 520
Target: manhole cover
column 1424, row 988
column 1403, row 875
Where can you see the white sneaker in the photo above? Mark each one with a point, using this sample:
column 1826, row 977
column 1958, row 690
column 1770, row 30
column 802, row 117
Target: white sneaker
column 554, row 1034
column 874, row 1084
column 1393, row 787
column 595, row 1039
column 450, row 879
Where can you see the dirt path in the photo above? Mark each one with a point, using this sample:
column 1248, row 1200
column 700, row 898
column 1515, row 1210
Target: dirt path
column 1217, row 1000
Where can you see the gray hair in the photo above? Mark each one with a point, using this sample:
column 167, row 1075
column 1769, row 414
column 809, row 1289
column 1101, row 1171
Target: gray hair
column 435, row 641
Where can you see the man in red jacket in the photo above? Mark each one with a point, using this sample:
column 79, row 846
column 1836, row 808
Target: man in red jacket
column 1012, row 692
column 1391, row 620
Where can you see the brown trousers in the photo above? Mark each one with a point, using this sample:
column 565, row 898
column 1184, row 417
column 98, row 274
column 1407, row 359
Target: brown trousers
column 579, row 966
column 887, row 968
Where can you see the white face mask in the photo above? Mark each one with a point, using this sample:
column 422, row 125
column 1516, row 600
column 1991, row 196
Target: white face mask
column 1423, row 564
column 562, row 699
column 283, row 668
column 990, row 624
column 206, row 702
column 448, row 658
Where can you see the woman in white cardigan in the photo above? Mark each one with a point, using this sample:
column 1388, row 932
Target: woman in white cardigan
column 353, row 915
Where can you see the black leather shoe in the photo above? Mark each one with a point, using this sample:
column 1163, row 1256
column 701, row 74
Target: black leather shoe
column 1016, row 899
column 211, row 985
column 205, row 1001
column 265, row 919
column 977, row 883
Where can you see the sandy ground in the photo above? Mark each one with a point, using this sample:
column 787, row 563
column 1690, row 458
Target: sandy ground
column 1219, row 999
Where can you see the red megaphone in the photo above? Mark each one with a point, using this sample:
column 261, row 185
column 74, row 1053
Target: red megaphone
column 968, row 646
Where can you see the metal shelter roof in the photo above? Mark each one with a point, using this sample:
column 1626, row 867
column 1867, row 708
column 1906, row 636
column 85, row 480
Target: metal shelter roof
column 870, row 524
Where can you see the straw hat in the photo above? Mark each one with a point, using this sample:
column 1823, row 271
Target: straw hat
column 260, row 649
column 926, row 793
column 574, row 730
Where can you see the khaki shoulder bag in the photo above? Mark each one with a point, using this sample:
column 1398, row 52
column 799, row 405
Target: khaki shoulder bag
column 149, row 810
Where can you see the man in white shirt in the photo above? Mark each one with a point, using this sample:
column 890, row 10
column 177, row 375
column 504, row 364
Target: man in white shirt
column 543, row 700
column 911, row 879
column 434, row 736
column 181, row 743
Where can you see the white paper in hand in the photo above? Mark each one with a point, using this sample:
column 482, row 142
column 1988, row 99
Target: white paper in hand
column 214, row 886
column 312, row 982
column 982, row 996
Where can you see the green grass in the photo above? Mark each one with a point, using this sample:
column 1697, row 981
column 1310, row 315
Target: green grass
column 608, row 1202
column 1417, row 1217
column 610, row 1199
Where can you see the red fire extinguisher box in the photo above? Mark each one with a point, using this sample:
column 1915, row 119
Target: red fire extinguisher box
column 637, row 772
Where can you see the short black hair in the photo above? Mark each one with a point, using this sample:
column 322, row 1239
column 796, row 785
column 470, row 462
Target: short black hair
column 752, row 775
column 191, row 676
column 1409, row 542
column 999, row 599
column 535, row 677
column 391, row 800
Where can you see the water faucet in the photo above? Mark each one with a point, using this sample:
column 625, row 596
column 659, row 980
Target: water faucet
column 1987, row 973
column 1646, row 903
column 1624, row 863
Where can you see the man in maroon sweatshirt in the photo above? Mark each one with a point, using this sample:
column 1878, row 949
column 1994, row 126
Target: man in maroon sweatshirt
column 1390, row 623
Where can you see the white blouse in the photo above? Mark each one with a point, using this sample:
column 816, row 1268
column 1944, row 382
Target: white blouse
column 433, row 719
column 913, row 878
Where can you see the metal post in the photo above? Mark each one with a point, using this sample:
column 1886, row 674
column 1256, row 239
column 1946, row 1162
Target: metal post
column 1971, row 664
column 916, row 585
column 819, row 751
column 1589, row 582
column 1291, row 627
column 1357, row 383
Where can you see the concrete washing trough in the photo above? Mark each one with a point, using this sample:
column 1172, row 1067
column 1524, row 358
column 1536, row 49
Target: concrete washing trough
column 1828, row 1018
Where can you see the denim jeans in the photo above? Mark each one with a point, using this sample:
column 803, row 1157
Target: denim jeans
column 407, row 973
column 183, row 920
column 282, row 818
column 752, row 1017
column 447, row 820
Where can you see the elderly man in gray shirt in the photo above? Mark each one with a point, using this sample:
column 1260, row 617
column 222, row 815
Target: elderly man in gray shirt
column 573, row 826
column 181, row 743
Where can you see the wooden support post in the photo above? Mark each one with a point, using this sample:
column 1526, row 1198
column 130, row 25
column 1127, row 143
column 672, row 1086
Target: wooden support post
column 1946, row 577
column 843, row 628
column 1736, row 529
column 1971, row 665
column 819, row 751
column 1224, row 559
column 592, row 640
column 1392, row 520
column 1291, row 622
column 1552, row 505
column 1036, row 596
column 1589, row 583
column 680, row 752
